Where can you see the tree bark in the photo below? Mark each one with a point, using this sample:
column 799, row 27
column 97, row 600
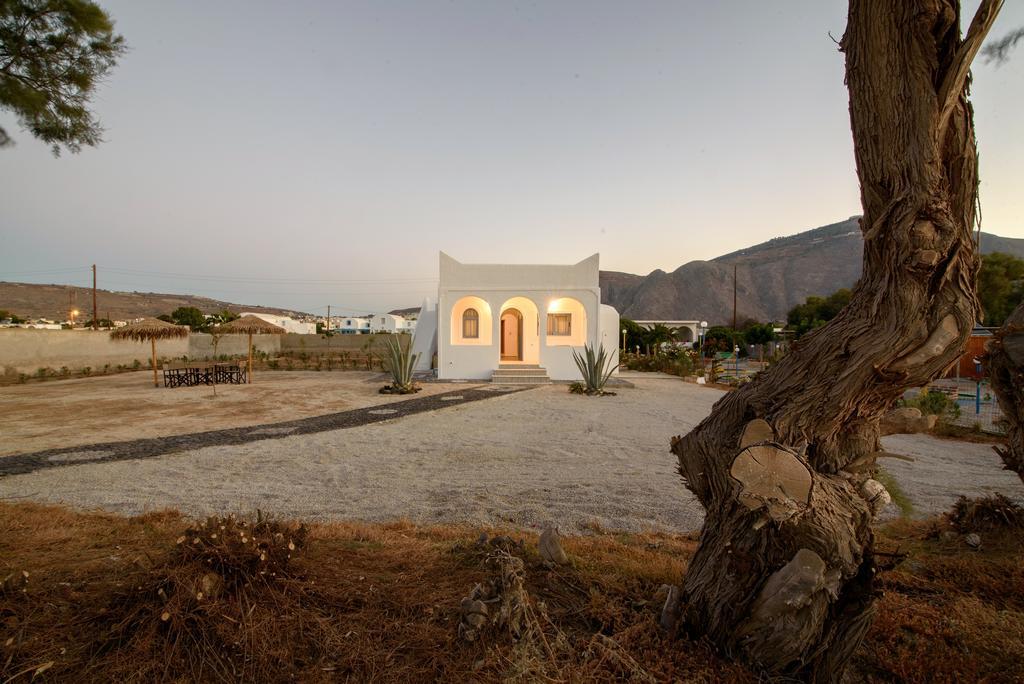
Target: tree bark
column 1005, row 363
column 784, row 575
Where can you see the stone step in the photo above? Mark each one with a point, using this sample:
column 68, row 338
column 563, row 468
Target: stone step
column 521, row 371
column 520, row 374
column 522, row 380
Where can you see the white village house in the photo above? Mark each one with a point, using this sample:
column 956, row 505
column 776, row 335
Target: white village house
column 289, row 324
column 501, row 321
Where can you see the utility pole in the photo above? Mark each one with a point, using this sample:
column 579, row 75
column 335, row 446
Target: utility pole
column 95, row 316
column 328, row 326
column 734, row 296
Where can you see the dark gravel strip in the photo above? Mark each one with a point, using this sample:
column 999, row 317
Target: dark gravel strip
column 158, row 446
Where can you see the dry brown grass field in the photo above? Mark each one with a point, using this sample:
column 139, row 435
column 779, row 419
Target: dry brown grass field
column 112, row 598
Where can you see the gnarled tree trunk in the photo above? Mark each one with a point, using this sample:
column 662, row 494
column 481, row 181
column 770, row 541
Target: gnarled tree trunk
column 1006, row 373
column 784, row 576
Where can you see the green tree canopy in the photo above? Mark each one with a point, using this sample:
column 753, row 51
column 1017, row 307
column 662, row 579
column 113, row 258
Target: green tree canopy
column 720, row 338
column 634, row 333
column 1000, row 287
column 190, row 316
column 816, row 311
column 759, row 333
column 53, row 53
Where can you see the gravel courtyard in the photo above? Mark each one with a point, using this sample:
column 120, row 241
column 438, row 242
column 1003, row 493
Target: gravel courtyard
column 519, row 459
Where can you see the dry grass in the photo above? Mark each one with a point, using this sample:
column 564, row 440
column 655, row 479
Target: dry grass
column 110, row 598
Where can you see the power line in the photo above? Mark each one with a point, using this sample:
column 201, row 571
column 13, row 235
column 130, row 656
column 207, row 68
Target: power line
column 261, row 279
column 76, row 269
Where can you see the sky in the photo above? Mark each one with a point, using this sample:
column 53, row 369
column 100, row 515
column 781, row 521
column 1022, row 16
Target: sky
column 313, row 153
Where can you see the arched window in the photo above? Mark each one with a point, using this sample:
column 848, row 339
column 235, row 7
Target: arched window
column 470, row 324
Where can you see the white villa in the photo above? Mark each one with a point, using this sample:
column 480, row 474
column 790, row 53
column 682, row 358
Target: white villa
column 690, row 330
column 502, row 321
column 391, row 323
column 289, row 324
column 375, row 323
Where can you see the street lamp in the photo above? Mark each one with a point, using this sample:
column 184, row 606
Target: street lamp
column 703, row 332
column 623, row 340
column 736, row 361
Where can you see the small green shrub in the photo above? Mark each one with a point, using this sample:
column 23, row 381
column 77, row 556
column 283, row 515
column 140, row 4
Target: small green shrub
column 935, row 404
column 399, row 362
column 87, row 370
column 596, row 366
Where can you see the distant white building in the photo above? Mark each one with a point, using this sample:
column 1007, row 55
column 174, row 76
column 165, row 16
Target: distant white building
column 289, row 324
column 391, row 323
column 690, row 330
column 351, row 325
column 515, row 318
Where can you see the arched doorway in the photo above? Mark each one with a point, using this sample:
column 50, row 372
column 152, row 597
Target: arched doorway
column 511, row 335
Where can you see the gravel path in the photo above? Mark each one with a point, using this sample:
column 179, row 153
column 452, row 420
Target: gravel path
column 521, row 458
column 158, row 446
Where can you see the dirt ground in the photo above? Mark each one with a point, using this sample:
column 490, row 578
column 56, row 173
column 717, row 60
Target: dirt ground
column 114, row 599
column 126, row 406
column 516, row 459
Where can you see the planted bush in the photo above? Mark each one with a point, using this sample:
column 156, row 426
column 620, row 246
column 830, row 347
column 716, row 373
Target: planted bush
column 400, row 362
column 596, row 366
column 935, row 404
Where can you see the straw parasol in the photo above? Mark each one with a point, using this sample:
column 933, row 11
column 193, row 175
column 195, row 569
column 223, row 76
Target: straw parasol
column 250, row 325
column 151, row 329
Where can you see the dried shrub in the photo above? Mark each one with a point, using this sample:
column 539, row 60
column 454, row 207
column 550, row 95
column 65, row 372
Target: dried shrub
column 986, row 513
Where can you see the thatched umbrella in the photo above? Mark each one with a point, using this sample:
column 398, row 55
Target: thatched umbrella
column 250, row 325
column 151, row 329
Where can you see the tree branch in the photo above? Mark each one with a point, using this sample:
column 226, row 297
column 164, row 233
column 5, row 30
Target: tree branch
column 956, row 77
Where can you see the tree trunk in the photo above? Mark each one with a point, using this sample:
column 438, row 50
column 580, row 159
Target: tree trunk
column 1006, row 373
column 784, row 575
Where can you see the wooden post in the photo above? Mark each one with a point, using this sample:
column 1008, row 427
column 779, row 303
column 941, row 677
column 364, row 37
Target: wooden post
column 250, row 358
column 95, row 314
column 152, row 341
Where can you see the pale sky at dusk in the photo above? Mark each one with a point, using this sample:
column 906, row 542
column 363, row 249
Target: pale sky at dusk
column 304, row 154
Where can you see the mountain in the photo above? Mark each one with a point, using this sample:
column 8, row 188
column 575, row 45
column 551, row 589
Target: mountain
column 54, row 301
column 771, row 277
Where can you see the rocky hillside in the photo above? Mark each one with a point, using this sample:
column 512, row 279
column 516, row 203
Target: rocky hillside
column 52, row 301
column 771, row 277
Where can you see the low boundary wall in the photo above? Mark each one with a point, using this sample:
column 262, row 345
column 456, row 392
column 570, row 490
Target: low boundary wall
column 24, row 350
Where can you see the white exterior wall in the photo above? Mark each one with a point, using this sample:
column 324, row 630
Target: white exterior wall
column 692, row 326
column 610, row 334
column 387, row 323
column 539, row 285
column 352, row 324
column 289, row 324
column 424, row 342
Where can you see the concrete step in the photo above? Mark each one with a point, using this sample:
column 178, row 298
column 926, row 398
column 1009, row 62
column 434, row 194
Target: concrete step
column 520, row 380
column 515, row 366
column 520, row 371
column 520, row 374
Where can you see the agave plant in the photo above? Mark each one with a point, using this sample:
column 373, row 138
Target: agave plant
column 400, row 363
column 595, row 366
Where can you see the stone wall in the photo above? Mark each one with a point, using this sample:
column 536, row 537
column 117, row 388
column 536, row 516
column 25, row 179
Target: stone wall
column 322, row 344
column 25, row 350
